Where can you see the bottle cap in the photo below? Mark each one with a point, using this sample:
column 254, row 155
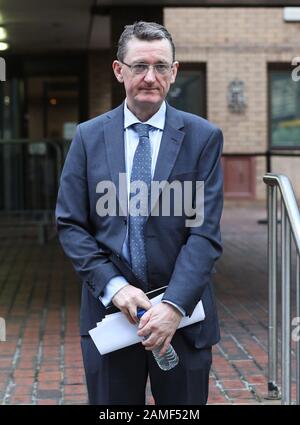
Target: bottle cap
column 139, row 312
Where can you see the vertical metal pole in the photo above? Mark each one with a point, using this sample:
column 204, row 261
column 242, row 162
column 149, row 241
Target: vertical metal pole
column 47, row 177
column 286, row 307
column 273, row 391
column 298, row 342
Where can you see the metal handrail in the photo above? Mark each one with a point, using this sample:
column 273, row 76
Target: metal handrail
column 52, row 142
column 58, row 146
column 290, row 225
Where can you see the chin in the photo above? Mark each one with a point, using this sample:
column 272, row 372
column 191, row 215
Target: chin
column 152, row 98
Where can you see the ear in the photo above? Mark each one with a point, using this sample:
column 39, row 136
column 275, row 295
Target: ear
column 174, row 71
column 117, row 68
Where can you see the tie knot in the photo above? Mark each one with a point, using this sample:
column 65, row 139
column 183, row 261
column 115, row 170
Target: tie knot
column 142, row 129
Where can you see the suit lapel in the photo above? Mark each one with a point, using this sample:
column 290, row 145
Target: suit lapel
column 169, row 148
column 114, row 142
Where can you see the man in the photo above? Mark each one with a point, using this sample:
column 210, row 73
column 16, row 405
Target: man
column 120, row 257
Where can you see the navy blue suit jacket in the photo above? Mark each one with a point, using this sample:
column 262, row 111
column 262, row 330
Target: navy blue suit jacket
column 178, row 256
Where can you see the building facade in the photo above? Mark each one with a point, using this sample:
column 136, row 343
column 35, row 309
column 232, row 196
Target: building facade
column 238, row 68
column 253, row 49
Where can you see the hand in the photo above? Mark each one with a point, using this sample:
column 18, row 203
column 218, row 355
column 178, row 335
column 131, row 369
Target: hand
column 128, row 299
column 160, row 323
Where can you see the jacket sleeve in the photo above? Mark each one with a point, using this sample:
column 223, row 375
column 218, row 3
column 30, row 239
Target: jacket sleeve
column 72, row 220
column 195, row 262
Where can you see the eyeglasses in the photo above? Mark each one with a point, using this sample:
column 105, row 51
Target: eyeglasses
column 143, row 68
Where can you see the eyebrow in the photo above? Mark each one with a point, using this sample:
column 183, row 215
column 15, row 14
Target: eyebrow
column 163, row 61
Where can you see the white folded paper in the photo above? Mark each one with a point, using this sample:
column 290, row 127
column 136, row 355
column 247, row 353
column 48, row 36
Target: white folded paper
column 115, row 332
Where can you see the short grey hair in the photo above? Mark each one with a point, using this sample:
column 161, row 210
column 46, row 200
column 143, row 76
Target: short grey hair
column 142, row 30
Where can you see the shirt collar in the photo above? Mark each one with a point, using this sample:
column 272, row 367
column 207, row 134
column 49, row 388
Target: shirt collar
column 157, row 120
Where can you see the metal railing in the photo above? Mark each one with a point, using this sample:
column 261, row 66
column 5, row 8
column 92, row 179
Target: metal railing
column 290, row 230
column 29, row 179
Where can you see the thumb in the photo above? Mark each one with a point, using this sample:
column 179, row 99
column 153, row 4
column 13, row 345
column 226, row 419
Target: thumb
column 144, row 319
column 145, row 303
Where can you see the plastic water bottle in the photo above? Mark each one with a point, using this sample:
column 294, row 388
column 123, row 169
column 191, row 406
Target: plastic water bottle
column 169, row 359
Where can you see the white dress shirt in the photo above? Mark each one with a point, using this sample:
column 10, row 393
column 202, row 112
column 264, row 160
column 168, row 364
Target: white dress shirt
column 131, row 141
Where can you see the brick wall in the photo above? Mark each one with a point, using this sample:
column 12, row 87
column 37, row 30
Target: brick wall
column 237, row 43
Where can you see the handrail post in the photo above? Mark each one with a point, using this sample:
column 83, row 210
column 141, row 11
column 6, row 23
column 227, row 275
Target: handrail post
column 273, row 391
column 290, row 229
column 286, row 306
column 40, row 216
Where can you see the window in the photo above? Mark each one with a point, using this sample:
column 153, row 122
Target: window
column 188, row 93
column 284, row 110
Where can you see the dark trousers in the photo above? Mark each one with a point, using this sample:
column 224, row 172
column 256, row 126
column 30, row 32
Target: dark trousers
column 120, row 377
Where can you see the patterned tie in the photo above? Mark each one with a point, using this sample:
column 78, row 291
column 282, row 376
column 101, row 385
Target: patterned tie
column 141, row 170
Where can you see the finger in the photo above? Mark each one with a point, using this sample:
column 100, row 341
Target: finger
column 165, row 346
column 145, row 303
column 153, row 342
column 143, row 321
column 132, row 311
column 130, row 320
column 149, row 341
column 128, row 316
column 159, row 343
column 145, row 329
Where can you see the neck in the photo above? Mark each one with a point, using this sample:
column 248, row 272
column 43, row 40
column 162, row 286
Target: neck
column 144, row 112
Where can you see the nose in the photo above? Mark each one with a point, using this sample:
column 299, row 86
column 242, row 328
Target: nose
column 150, row 75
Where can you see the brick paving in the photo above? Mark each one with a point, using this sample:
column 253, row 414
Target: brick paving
column 40, row 363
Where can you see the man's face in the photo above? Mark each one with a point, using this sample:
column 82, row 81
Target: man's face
column 151, row 88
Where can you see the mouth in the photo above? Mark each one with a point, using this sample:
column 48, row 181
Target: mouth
column 148, row 89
